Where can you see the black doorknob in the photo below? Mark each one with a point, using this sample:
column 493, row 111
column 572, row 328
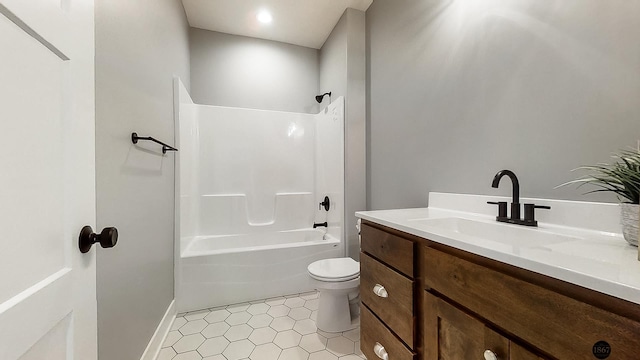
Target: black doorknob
column 107, row 238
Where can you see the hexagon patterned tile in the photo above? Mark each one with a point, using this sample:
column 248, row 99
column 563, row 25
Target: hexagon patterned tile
column 193, row 327
column 195, row 315
column 217, row 316
column 238, row 332
column 279, row 310
column 188, row 343
column 256, row 309
column 294, row 353
column 213, row 346
column 263, row 336
column 280, row 328
column 260, row 321
column 313, row 342
column 341, row 346
column 306, row 326
column 238, row 350
column 238, row 318
column 300, row 313
column 282, row 323
column 268, row 351
column 294, row 302
column 215, row 329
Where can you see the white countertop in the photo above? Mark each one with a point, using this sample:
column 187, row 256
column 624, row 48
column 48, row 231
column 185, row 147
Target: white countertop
column 595, row 257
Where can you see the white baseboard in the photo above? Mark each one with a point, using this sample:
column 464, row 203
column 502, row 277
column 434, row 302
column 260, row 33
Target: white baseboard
column 155, row 344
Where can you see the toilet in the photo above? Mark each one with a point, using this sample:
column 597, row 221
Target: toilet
column 337, row 281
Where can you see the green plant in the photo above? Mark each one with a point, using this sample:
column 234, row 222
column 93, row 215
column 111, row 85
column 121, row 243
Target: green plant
column 621, row 177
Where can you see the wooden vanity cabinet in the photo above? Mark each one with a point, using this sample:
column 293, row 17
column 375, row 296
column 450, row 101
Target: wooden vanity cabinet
column 452, row 333
column 395, row 310
column 396, row 252
column 387, row 314
column 561, row 323
column 463, row 304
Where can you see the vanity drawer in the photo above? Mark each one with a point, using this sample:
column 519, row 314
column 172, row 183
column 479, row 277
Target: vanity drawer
column 552, row 322
column 373, row 332
column 395, row 310
column 388, row 248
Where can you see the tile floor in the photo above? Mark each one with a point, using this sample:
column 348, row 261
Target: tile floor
column 281, row 328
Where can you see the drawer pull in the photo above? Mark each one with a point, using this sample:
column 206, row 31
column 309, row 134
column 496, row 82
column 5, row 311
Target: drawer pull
column 380, row 291
column 380, row 351
column 490, row 355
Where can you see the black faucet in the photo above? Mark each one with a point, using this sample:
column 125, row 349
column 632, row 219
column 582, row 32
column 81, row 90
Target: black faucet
column 515, row 201
column 315, row 225
column 529, row 209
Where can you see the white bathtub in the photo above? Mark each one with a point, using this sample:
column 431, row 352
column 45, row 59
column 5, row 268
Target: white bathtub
column 228, row 269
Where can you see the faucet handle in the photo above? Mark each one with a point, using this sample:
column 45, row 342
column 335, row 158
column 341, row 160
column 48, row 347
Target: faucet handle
column 502, row 208
column 325, row 203
column 529, row 213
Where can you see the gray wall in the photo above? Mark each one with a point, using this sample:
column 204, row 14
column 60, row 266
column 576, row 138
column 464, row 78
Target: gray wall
column 140, row 45
column 239, row 71
column 462, row 89
column 333, row 62
column 343, row 72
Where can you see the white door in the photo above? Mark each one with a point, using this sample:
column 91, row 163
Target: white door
column 47, row 191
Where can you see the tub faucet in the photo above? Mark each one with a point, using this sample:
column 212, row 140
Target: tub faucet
column 315, row 225
column 529, row 216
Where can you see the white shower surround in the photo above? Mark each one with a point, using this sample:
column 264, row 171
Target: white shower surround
column 249, row 186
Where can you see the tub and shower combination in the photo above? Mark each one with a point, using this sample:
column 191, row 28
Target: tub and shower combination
column 250, row 183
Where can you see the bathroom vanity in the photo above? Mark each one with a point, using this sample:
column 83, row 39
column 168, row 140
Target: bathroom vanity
column 431, row 290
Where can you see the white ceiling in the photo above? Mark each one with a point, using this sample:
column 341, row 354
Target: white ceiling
column 299, row 22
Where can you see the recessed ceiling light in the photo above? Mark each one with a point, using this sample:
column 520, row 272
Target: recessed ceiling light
column 264, row 17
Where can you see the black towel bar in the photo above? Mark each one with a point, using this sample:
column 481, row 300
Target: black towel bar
column 165, row 147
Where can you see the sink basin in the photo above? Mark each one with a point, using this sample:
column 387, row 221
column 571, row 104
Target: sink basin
column 494, row 232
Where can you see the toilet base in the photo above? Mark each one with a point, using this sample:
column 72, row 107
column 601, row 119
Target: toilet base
column 336, row 313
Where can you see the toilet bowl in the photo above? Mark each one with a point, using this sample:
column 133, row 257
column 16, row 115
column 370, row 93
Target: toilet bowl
column 337, row 281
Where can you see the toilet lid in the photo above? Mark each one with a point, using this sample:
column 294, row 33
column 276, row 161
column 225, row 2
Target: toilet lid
column 336, row 269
